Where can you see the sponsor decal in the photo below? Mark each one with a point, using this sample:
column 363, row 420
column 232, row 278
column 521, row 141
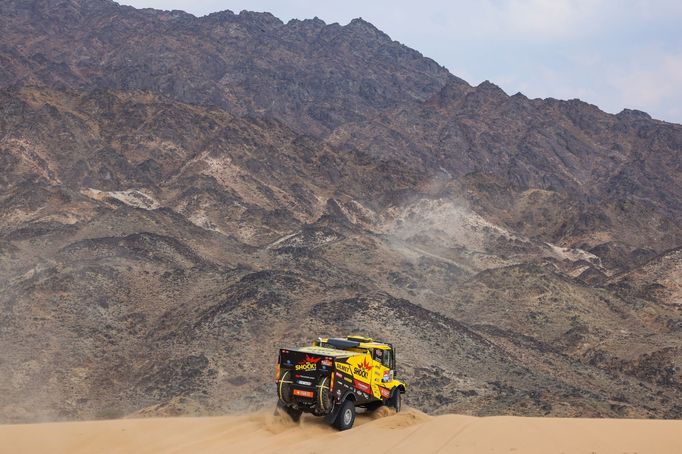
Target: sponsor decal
column 363, row 369
column 338, row 374
column 348, row 379
column 326, row 362
column 303, row 382
column 302, row 393
column 309, row 363
column 343, row 367
column 387, row 376
column 361, row 386
column 385, row 393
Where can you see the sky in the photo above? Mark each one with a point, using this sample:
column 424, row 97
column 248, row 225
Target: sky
column 613, row 53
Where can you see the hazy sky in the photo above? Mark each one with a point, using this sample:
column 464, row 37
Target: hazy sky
column 614, row 54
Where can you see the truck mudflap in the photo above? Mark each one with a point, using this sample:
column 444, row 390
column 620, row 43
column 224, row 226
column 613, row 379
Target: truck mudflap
column 337, row 404
column 333, row 414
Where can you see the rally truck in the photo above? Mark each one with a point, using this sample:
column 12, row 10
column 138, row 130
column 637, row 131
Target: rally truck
column 333, row 376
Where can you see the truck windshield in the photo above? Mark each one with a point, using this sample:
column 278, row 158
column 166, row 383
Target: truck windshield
column 387, row 360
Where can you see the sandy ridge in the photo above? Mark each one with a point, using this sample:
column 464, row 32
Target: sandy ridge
column 408, row 432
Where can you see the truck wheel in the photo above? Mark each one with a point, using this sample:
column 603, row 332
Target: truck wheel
column 395, row 401
column 324, row 397
column 284, row 388
column 346, row 416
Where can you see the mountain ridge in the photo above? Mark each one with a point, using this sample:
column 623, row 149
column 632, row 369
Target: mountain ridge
column 177, row 190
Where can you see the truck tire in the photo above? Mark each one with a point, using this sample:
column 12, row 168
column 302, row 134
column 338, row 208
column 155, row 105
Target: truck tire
column 395, row 401
column 346, row 416
column 284, row 388
column 324, row 397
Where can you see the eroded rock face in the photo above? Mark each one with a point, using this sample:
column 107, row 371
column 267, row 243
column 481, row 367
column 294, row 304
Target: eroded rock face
column 181, row 196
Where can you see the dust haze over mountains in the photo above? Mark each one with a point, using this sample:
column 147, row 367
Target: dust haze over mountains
column 181, row 196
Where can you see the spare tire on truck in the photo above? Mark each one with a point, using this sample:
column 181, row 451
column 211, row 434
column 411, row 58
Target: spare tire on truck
column 324, row 397
column 284, row 388
column 284, row 392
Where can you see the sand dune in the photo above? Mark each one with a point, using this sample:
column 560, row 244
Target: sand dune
column 408, row 432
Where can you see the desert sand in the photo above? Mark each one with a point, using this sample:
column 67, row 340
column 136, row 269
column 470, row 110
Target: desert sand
column 408, row 432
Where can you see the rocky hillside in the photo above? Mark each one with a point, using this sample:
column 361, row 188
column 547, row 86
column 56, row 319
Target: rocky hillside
column 180, row 196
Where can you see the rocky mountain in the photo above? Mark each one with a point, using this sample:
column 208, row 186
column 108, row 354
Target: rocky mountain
column 181, row 196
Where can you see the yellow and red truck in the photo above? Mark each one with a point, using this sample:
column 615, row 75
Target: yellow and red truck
column 333, row 376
